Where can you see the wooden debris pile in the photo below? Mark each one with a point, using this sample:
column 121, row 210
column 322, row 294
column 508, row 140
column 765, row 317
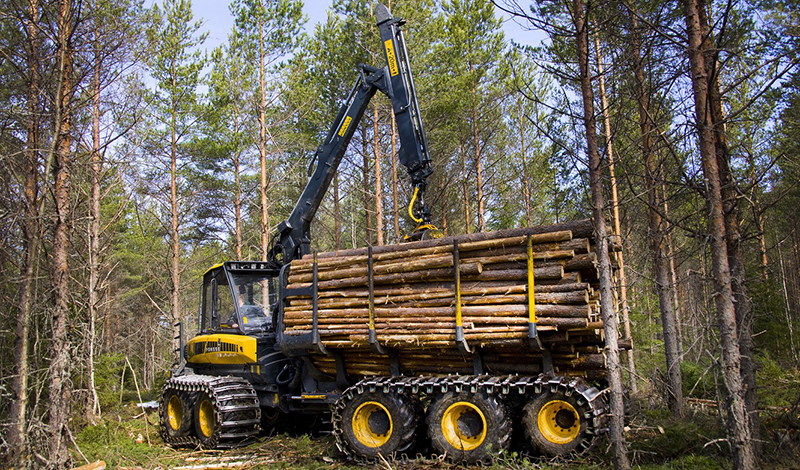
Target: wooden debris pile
column 414, row 299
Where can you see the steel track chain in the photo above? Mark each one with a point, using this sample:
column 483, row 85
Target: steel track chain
column 591, row 400
column 236, row 407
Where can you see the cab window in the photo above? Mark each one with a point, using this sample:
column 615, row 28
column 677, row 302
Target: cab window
column 218, row 311
column 253, row 301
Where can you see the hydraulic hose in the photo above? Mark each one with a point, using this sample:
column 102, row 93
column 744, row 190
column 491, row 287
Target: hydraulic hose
column 411, row 206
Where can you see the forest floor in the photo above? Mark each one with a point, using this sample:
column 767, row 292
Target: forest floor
column 126, row 441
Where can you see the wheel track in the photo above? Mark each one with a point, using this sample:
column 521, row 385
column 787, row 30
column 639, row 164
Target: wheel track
column 236, row 408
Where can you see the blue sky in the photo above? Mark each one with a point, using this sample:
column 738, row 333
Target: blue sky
column 218, row 21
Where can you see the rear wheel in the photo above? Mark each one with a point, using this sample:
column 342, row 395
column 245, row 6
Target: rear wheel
column 554, row 424
column 374, row 423
column 270, row 419
column 468, row 427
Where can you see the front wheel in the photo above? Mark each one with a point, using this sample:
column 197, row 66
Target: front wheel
column 206, row 421
column 373, row 423
column 468, row 428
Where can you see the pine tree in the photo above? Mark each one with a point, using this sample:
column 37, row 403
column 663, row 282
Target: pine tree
column 272, row 28
column 175, row 64
column 475, row 42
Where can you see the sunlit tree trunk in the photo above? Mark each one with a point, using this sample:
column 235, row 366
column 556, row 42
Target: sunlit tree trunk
column 623, row 283
column 365, row 183
column 93, row 403
column 465, row 191
column 526, row 181
column 337, row 214
column 607, row 311
column 657, row 228
column 758, row 215
column 175, row 265
column 673, row 272
column 237, row 190
column 476, row 140
column 742, row 302
column 59, row 387
column 262, row 139
column 378, row 190
column 17, row 435
column 739, row 435
column 395, row 197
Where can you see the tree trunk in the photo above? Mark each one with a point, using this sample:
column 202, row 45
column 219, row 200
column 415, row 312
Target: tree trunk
column 17, row 436
column 657, row 231
column 237, row 195
column 60, row 389
column 396, row 209
column 661, row 267
column 465, row 190
column 758, row 215
column 262, row 139
column 443, row 205
column 742, row 302
column 365, row 183
column 526, row 181
column 337, row 214
column 476, row 140
column 175, row 273
column 93, row 403
column 623, row 283
column 378, row 190
column 787, row 305
column 739, row 435
column 673, row 272
column 610, row 320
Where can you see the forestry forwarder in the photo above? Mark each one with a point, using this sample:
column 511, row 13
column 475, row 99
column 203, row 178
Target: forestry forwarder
column 241, row 372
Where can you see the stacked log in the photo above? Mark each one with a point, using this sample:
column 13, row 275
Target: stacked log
column 415, row 298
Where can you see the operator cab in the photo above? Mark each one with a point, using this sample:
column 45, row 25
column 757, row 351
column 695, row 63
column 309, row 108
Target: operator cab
column 236, row 298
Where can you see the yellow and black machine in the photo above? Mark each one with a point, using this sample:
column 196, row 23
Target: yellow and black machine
column 241, row 372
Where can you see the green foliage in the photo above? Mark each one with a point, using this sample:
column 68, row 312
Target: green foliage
column 175, row 62
column 698, row 380
column 673, row 443
column 769, row 311
column 779, row 386
column 115, row 442
column 108, row 374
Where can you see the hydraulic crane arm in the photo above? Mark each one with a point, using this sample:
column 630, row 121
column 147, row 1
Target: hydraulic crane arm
column 292, row 239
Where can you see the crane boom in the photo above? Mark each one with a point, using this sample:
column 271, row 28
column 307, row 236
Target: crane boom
column 395, row 80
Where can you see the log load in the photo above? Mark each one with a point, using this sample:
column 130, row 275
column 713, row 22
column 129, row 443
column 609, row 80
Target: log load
column 416, row 297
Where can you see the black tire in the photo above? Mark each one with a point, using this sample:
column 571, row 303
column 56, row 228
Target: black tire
column 175, row 413
column 468, row 428
column 555, row 424
column 370, row 424
column 271, row 419
column 205, row 417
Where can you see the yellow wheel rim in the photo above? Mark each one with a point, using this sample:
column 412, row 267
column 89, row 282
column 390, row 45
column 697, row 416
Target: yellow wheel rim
column 207, row 419
column 464, row 426
column 559, row 422
column 372, row 424
column 175, row 412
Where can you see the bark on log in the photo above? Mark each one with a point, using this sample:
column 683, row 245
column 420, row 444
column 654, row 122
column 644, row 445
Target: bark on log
column 579, row 229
